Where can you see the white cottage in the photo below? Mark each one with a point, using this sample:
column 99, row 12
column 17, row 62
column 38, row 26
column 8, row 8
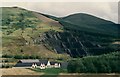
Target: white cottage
column 49, row 65
column 42, row 64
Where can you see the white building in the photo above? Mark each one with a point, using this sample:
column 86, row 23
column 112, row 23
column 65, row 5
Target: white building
column 35, row 63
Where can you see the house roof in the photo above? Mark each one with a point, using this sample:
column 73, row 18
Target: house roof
column 29, row 61
column 53, row 62
column 23, row 65
column 43, row 61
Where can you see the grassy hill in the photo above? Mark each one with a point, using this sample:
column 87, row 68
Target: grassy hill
column 28, row 34
column 84, row 35
column 22, row 36
column 92, row 23
column 88, row 23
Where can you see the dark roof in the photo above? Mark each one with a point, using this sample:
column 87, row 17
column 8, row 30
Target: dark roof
column 43, row 61
column 28, row 63
column 23, row 65
column 52, row 63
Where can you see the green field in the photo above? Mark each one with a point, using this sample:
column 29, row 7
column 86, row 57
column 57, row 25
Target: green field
column 51, row 71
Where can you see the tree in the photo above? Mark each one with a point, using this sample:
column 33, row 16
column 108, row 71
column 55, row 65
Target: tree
column 71, row 67
column 80, row 67
column 89, row 65
column 107, row 63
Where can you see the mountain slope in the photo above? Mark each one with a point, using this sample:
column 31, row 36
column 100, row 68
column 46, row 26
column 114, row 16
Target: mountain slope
column 84, row 35
column 34, row 35
column 91, row 23
column 23, row 32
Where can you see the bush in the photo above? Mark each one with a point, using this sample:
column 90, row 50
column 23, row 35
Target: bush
column 18, row 57
column 7, row 56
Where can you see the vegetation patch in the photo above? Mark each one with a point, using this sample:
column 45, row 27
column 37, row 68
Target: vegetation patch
column 51, row 71
column 108, row 63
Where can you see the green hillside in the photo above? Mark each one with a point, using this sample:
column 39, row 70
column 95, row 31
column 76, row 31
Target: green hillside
column 84, row 35
column 91, row 23
column 23, row 32
column 28, row 34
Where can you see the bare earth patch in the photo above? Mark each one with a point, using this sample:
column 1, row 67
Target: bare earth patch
column 19, row 71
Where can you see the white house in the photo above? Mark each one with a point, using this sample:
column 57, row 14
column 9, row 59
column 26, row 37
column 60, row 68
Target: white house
column 42, row 66
column 49, row 65
column 35, row 63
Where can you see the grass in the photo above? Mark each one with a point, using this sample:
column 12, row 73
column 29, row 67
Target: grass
column 12, row 43
column 50, row 72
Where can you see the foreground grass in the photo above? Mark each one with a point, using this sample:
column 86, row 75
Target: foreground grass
column 51, row 71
